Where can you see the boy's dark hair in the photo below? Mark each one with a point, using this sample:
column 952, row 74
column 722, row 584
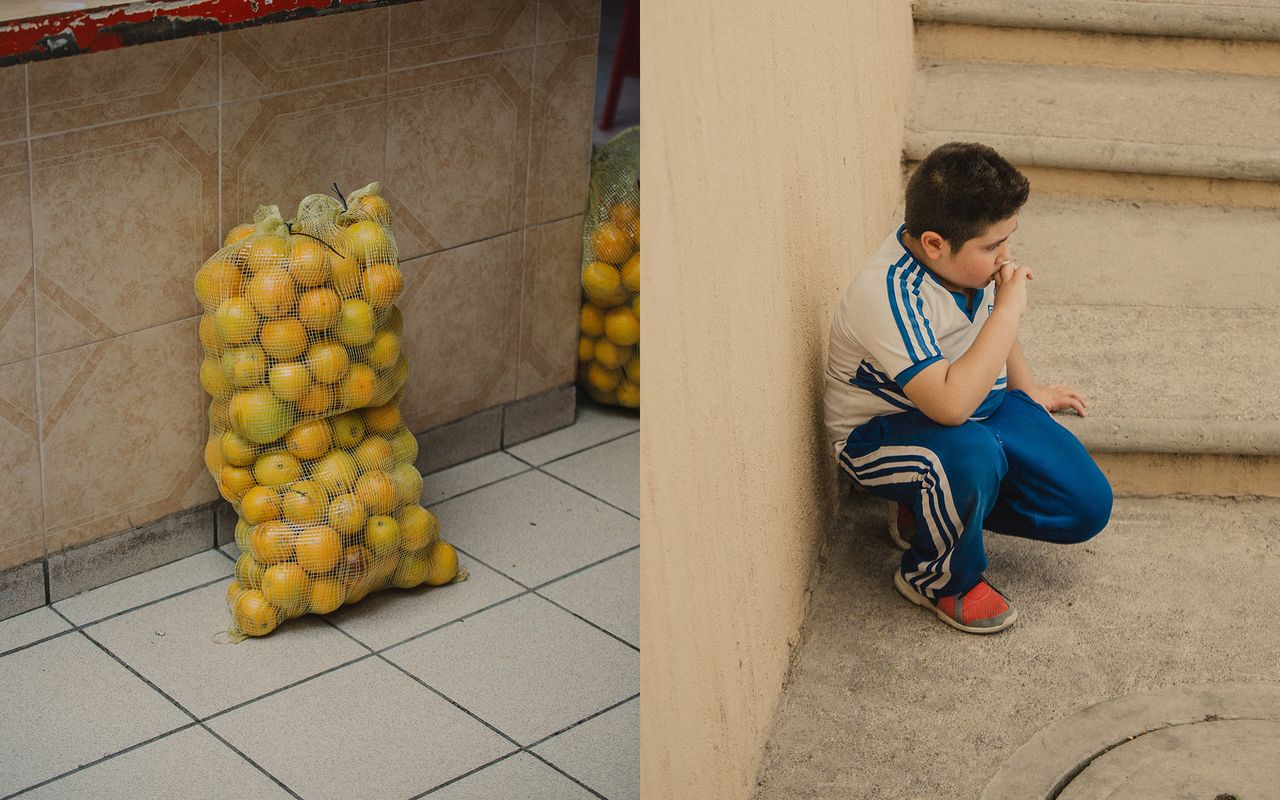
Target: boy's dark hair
column 961, row 189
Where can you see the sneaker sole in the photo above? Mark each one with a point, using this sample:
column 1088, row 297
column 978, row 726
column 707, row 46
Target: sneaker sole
column 906, row 590
column 901, row 543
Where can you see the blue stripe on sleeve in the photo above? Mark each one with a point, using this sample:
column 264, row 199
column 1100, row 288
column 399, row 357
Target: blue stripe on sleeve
column 893, row 306
column 904, row 377
column 927, row 339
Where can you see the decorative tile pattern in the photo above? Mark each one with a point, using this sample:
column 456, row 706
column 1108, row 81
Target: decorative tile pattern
column 123, row 216
column 115, row 85
column 21, row 515
column 550, row 307
column 17, row 301
column 444, row 30
column 457, row 150
column 288, row 56
column 560, row 152
column 461, row 330
column 123, row 425
column 277, row 150
column 567, row 19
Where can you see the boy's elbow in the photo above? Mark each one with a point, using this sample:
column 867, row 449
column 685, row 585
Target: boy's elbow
column 946, row 415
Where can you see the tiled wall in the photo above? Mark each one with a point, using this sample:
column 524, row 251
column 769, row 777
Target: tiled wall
column 120, row 172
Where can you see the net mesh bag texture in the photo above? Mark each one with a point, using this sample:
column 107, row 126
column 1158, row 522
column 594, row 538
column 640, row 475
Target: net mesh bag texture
column 302, row 361
column 609, row 340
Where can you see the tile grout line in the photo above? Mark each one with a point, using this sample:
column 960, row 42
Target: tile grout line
column 636, row 517
column 466, row 774
column 586, row 719
column 555, row 767
column 196, row 721
column 579, row 451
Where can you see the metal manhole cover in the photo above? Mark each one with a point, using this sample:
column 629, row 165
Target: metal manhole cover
column 1207, row 742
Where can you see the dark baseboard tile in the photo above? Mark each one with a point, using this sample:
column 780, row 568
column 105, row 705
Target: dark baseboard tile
column 21, row 589
column 532, row 417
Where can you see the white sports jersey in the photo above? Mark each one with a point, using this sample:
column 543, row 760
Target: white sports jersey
column 894, row 320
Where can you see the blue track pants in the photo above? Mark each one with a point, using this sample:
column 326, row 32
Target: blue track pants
column 1017, row 472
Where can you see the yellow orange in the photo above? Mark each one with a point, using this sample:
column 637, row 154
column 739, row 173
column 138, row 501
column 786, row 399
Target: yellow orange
column 249, row 571
column 603, row 285
column 369, row 241
column 317, row 399
column 258, row 415
column 267, row 252
column 289, row 380
column 254, row 615
column 382, row 284
column 355, row 323
column 234, row 482
column 348, row 429
column 373, row 207
column 373, row 453
column 318, row 549
column 621, row 326
column 245, row 366
column 591, row 320
column 354, row 565
column 283, row 339
column 623, row 214
column 213, row 379
column 220, row 414
column 407, row 481
column 384, row 351
column 347, row 514
column 586, row 348
column 418, row 527
column 404, row 447
column 304, row 502
column 327, row 595
column 611, row 243
column 389, row 382
column 344, row 272
column 631, row 273
column 376, row 491
column 243, row 531
column 286, row 587
column 236, row 320
column 310, row 439
column 234, row 590
column 632, row 368
column 260, row 504
column 336, row 472
column 273, row 292
column 209, row 337
column 628, row 394
column 308, row 261
column 610, row 355
column 216, row 281
column 412, row 571
column 444, row 563
column 271, row 542
column 238, row 234
column 236, row 449
column 602, row 379
column 382, row 419
column 382, row 536
column 633, row 230
column 319, row 309
column 356, row 389
column 213, row 459
column 276, row 469
column 394, row 321
column 328, row 361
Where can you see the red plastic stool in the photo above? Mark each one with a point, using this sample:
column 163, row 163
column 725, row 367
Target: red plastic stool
column 626, row 61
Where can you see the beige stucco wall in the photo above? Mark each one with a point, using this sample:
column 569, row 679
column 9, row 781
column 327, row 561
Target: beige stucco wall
column 772, row 146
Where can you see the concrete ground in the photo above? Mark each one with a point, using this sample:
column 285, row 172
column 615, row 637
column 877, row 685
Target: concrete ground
column 884, row 701
column 522, row 681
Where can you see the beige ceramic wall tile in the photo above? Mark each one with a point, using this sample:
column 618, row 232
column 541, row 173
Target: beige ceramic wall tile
column 21, row 531
column 115, row 85
column 564, row 97
column 567, row 19
column 277, row 150
column 13, row 103
column 461, row 313
column 289, row 56
column 123, row 216
column 17, row 304
column 441, row 30
column 457, row 149
column 123, row 423
column 550, row 307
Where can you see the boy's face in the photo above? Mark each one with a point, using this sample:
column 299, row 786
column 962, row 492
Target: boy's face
column 978, row 261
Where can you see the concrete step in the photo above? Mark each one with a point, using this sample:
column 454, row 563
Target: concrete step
column 884, row 701
column 1164, row 316
column 1101, row 119
column 1206, row 19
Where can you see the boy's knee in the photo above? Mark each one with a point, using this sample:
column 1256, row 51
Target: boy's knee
column 1093, row 511
column 973, row 451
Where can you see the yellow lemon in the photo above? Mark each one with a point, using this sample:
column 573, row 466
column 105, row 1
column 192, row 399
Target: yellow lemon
column 602, row 379
column 603, row 284
column 592, row 320
column 622, row 326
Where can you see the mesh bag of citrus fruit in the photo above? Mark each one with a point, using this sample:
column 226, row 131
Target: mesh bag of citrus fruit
column 302, row 358
column 609, row 342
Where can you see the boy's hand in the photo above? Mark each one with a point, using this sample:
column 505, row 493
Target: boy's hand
column 1057, row 397
column 1011, row 287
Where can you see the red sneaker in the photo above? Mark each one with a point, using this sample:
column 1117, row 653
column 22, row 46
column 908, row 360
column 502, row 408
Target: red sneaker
column 982, row 609
column 902, row 524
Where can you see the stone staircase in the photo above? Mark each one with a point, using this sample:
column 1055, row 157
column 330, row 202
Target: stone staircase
column 1151, row 135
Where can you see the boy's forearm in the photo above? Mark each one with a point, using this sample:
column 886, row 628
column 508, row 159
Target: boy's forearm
column 1018, row 371
column 971, row 376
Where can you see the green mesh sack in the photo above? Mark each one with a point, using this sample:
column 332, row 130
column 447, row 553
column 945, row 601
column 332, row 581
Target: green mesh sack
column 302, row 360
column 609, row 341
